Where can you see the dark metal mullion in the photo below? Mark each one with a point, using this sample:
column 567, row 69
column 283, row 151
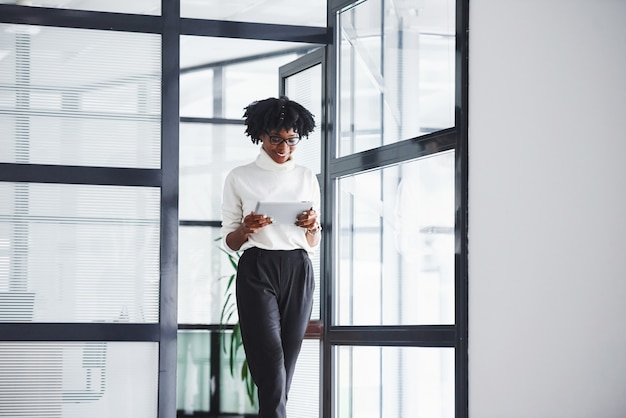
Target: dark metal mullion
column 206, row 327
column 461, row 202
column 64, row 174
column 310, row 59
column 79, row 19
column 215, row 121
column 246, row 59
column 394, row 153
column 393, row 336
column 96, row 331
column 329, row 218
column 209, row 224
column 258, row 31
column 168, row 306
column 336, row 5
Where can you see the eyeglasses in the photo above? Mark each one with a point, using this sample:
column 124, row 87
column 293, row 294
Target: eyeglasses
column 277, row 140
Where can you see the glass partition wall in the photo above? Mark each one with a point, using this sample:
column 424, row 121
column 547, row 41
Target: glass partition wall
column 80, row 230
column 397, row 310
column 118, row 123
column 219, row 77
column 90, row 271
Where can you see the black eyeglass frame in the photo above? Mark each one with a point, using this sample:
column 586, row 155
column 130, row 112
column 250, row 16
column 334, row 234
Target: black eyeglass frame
column 277, row 140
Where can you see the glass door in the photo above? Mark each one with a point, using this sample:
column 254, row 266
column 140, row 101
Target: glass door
column 302, row 80
column 391, row 340
column 83, row 330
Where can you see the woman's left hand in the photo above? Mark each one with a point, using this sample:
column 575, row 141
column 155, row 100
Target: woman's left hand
column 308, row 220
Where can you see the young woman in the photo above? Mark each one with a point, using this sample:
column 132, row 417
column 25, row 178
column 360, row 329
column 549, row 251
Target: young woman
column 275, row 280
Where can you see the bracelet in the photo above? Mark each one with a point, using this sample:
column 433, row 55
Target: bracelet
column 315, row 230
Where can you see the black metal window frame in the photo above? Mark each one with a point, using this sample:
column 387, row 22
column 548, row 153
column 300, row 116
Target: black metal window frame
column 334, row 167
column 165, row 178
column 170, row 26
column 216, row 330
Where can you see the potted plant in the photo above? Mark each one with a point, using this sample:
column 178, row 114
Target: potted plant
column 233, row 345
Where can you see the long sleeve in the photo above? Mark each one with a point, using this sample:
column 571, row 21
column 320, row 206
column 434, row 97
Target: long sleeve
column 261, row 180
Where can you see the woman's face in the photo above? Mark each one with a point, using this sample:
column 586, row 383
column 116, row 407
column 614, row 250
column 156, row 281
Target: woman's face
column 275, row 143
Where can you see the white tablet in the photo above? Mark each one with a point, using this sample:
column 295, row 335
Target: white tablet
column 282, row 212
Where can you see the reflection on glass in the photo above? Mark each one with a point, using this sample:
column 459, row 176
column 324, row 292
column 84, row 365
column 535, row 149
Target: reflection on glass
column 382, row 382
column 304, row 393
column 203, row 272
column 194, row 378
column 193, row 372
column 221, row 76
column 396, row 72
column 287, row 12
column 233, row 395
column 207, row 153
column 79, row 379
column 218, row 79
column 396, row 244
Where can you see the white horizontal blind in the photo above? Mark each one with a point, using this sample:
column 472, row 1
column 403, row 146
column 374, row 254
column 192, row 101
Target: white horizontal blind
column 79, row 97
column 78, row 379
column 304, row 396
column 77, row 253
column 74, row 253
column 305, row 88
column 151, row 7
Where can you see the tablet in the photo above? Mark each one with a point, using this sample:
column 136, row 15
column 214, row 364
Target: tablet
column 283, row 212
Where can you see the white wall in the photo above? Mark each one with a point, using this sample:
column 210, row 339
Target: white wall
column 547, row 209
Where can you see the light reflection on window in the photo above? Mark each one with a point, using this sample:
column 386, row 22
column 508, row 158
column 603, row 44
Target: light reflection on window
column 381, row 382
column 396, row 244
column 396, row 72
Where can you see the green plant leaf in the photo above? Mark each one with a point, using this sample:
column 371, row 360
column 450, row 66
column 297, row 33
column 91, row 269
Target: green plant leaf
column 231, row 280
column 234, row 262
column 247, row 378
column 230, row 315
column 233, row 354
column 233, row 344
column 225, row 307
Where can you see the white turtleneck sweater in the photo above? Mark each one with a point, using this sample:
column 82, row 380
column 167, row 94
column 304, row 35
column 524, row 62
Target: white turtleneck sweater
column 266, row 180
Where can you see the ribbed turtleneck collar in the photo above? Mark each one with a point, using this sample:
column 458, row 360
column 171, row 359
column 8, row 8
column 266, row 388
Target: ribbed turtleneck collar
column 264, row 161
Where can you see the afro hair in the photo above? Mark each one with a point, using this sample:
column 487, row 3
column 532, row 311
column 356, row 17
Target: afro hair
column 276, row 114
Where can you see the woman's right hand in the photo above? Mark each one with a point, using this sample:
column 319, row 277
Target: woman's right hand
column 253, row 222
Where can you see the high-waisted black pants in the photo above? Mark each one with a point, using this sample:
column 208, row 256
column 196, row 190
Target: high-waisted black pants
column 274, row 301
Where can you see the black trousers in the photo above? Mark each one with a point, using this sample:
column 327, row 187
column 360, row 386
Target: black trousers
column 274, row 301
